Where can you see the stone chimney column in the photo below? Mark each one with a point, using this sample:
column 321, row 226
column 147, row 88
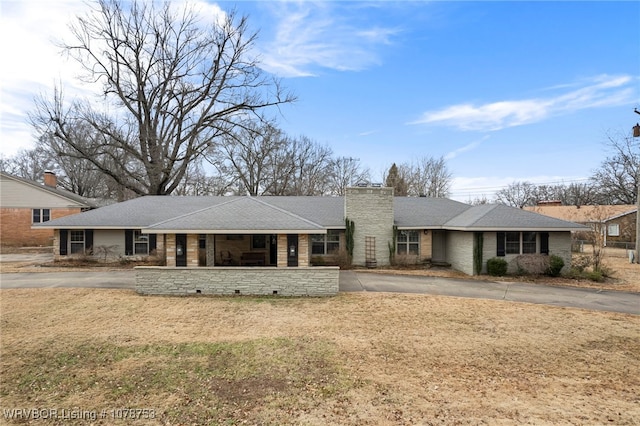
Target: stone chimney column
column 50, row 179
column 371, row 210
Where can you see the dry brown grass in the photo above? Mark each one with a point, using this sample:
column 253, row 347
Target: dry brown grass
column 354, row 359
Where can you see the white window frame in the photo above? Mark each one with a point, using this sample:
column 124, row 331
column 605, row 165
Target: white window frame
column 41, row 215
column 76, row 241
column 140, row 243
column 613, row 230
column 408, row 242
column 328, row 243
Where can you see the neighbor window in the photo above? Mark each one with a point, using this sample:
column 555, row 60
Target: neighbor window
column 613, row 230
column 41, row 215
column 325, row 243
column 77, row 242
column 140, row 243
column 408, row 242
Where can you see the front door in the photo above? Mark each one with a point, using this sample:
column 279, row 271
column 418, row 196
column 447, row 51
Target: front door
column 438, row 246
column 292, row 250
column 181, row 249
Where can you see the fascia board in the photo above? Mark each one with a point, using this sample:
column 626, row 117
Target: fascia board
column 233, row 231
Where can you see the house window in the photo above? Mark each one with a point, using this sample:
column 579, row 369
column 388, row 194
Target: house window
column 41, row 215
column 613, row 230
column 140, row 243
column 325, row 243
column 528, row 242
column 408, row 242
column 513, row 242
column 258, row 241
column 77, row 242
column 518, row 243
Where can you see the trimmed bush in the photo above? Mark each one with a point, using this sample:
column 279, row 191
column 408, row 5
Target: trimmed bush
column 556, row 263
column 497, row 267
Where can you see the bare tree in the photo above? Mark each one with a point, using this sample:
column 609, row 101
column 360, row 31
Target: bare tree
column 30, row 164
column 312, row 167
column 517, row 194
column 573, row 194
column 345, row 172
column 172, row 87
column 247, row 155
column 427, row 177
column 617, row 177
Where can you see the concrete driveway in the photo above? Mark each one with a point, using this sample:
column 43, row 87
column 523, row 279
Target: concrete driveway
column 612, row 301
column 351, row 281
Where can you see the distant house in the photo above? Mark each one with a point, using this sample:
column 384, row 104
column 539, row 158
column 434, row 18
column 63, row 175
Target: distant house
column 617, row 223
column 24, row 203
column 262, row 245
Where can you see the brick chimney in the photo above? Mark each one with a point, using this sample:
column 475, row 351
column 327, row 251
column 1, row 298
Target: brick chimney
column 50, row 179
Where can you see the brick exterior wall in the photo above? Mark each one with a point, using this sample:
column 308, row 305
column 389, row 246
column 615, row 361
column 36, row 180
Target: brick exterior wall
column 15, row 227
column 627, row 227
column 371, row 210
column 316, row 281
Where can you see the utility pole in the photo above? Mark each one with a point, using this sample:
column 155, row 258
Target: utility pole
column 636, row 134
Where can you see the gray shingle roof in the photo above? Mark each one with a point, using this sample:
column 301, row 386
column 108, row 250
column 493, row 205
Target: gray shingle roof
column 501, row 217
column 308, row 214
column 236, row 215
column 418, row 212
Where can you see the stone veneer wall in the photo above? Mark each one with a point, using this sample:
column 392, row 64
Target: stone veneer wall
column 316, row 281
column 371, row 210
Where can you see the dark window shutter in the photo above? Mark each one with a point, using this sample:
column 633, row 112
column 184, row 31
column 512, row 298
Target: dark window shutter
column 153, row 242
column 88, row 240
column 64, row 237
column 128, row 242
column 544, row 242
column 501, row 244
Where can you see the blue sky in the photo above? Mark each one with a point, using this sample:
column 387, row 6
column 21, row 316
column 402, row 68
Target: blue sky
column 505, row 91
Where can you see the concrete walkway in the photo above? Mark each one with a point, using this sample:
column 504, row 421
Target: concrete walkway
column 351, row 281
column 612, row 301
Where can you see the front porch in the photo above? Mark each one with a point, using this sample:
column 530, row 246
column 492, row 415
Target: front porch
column 236, row 250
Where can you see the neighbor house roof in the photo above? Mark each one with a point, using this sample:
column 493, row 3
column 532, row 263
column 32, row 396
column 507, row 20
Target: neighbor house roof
column 585, row 214
column 62, row 193
column 237, row 214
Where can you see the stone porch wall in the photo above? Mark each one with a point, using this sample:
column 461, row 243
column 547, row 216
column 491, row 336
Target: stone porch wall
column 316, row 281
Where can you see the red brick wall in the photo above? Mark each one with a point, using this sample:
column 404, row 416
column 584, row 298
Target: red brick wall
column 15, row 227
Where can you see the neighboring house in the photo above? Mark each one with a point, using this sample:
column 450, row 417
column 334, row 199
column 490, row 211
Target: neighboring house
column 616, row 223
column 24, row 203
column 231, row 235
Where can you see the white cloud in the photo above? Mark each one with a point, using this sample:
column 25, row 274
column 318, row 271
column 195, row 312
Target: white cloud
column 311, row 36
column 453, row 154
column 600, row 91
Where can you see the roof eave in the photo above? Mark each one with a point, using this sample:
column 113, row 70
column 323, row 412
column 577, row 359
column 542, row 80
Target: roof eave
column 233, row 231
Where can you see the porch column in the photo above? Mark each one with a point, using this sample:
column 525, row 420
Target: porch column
column 282, row 250
column 192, row 250
column 303, row 250
column 171, row 250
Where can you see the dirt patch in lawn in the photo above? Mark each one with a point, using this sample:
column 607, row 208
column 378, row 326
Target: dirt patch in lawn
column 354, row 359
